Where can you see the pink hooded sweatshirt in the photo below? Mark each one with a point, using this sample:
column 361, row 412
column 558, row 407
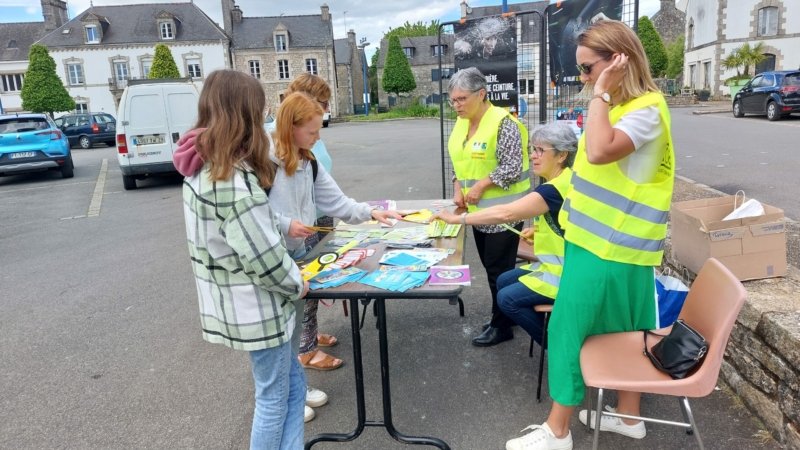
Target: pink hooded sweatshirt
column 186, row 158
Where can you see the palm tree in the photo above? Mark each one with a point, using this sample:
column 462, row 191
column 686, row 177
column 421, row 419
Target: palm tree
column 732, row 62
column 750, row 56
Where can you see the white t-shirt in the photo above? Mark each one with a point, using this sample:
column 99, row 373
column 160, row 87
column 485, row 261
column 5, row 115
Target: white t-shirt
column 647, row 132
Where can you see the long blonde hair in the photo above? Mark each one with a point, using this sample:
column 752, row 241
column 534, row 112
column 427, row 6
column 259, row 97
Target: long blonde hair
column 231, row 107
column 296, row 109
column 313, row 85
column 606, row 37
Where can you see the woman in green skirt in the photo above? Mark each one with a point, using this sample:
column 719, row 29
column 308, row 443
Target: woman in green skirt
column 615, row 221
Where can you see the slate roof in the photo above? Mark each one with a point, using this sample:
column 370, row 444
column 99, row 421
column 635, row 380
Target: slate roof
column 341, row 51
column 24, row 34
column 422, row 53
column 136, row 24
column 485, row 11
column 304, row 31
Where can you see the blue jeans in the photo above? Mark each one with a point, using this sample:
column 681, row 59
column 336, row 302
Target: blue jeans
column 517, row 301
column 280, row 399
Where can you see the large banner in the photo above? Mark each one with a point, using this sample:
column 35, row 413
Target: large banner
column 490, row 45
column 565, row 21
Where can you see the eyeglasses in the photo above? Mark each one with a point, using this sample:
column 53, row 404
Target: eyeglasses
column 539, row 151
column 586, row 68
column 460, row 100
column 324, row 104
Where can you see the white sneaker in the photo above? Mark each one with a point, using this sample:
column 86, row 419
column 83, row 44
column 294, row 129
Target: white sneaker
column 541, row 438
column 309, row 414
column 616, row 425
column 315, row 398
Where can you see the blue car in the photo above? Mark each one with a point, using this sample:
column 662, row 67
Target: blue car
column 33, row 143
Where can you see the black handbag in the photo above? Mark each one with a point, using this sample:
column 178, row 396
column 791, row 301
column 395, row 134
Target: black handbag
column 679, row 352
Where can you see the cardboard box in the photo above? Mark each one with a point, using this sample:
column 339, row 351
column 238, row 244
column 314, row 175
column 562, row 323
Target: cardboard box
column 751, row 248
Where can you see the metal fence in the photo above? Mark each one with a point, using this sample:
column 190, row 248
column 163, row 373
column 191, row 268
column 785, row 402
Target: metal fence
column 541, row 100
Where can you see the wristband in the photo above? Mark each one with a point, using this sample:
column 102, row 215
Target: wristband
column 464, row 219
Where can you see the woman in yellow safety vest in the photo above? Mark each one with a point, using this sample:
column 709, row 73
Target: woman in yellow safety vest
column 489, row 151
column 519, row 290
column 615, row 222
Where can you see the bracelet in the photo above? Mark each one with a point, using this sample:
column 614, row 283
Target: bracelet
column 464, row 219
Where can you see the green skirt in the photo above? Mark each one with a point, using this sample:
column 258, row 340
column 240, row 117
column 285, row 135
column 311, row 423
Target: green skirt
column 595, row 296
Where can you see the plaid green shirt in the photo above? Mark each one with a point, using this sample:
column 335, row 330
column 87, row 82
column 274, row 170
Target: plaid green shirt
column 245, row 278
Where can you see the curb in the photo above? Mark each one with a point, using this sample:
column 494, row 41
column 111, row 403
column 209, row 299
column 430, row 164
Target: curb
column 392, row 120
column 711, row 111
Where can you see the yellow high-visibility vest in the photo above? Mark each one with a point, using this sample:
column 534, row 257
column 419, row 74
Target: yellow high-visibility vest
column 613, row 217
column 476, row 159
column 548, row 246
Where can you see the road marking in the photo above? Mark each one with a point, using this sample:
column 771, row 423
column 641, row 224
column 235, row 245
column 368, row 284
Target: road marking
column 49, row 186
column 97, row 197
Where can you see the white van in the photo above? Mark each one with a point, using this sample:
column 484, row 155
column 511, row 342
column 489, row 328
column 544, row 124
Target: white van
column 152, row 116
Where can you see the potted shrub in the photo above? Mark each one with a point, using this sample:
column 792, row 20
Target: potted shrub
column 742, row 57
column 703, row 95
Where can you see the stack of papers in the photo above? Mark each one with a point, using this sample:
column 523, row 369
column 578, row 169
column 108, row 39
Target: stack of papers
column 438, row 228
column 351, row 258
column 442, row 203
column 414, row 257
column 408, row 243
column 419, row 268
column 335, row 278
column 410, row 233
column 353, row 232
column 450, row 275
column 421, row 216
column 402, row 259
column 398, row 281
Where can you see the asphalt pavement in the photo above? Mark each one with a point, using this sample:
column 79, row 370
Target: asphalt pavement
column 100, row 344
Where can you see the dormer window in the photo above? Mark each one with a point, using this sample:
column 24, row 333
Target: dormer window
column 92, row 37
column 438, row 49
column 280, row 42
column 409, row 51
column 166, row 30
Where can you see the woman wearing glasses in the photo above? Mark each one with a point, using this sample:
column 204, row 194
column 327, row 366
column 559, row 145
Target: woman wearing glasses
column 519, row 290
column 488, row 148
column 615, row 222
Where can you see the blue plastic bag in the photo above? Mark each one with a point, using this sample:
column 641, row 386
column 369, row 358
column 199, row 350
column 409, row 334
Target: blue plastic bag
column 670, row 295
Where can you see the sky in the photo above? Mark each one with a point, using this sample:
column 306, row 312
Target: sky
column 368, row 18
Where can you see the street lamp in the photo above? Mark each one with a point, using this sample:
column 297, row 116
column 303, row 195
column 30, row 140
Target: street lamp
column 363, row 46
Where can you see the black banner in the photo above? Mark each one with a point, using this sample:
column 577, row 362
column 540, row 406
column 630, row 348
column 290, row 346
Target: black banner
column 490, row 45
column 565, row 21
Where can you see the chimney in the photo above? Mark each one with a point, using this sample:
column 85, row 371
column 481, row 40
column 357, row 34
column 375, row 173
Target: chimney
column 351, row 37
column 55, row 14
column 668, row 5
column 326, row 13
column 464, row 7
column 227, row 11
column 236, row 15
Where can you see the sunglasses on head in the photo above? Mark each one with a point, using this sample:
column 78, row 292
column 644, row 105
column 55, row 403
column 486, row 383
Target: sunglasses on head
column 586, row 68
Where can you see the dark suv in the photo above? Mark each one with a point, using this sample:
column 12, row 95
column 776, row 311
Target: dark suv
column 87, row 129
column 776, row 94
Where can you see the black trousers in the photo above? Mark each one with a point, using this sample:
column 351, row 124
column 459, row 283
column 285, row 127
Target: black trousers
column 498, row 253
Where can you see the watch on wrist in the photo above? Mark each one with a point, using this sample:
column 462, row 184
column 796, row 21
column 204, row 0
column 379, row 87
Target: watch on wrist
column 605, row 96
column 464, row 219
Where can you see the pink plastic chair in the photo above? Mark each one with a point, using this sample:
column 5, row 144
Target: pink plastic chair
column 616, row 361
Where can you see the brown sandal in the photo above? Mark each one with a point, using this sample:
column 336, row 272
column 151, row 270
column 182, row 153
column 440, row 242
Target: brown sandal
column 326, row 340
column 327, row 362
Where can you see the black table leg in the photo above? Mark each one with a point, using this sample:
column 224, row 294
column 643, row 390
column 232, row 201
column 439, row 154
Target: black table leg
column 387, row 392
column 362, row 410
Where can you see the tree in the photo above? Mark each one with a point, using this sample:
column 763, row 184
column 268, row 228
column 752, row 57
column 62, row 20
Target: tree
column 163, row 64
column 43, row 91
column 372, row 76
column 675, row 57
column 653, row 47
column 397, row 75
column 750, row 56
column 413, row 30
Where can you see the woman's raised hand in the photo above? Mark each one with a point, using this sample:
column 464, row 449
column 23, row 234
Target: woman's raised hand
column 298, row 230
column 611, row 77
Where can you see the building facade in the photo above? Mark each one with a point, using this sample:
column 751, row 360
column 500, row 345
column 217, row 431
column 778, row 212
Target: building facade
column 669, row 21
column 349, row 73
column 714, row 28
column 98, row 51
column 15, row 42
column 276, row 49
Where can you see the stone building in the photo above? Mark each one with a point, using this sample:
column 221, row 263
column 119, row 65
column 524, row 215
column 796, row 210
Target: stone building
column 714, row 28
column 423, row 57
column 100, row 49
column 276, row 49
column 349, row 73
column 15, row 43
column 669, row 21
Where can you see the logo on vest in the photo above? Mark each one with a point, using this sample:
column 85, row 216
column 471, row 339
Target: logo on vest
column 478, row 146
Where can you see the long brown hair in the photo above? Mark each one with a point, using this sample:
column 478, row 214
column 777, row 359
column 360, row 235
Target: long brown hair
column 231, row 107
column 313, row 85
column 606, row 37
column 296, row 109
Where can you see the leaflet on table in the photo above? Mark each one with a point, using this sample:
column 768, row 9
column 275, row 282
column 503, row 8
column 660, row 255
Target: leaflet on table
column 408, row 243
column 351, row 258
column 450, row 275
column 429, row 258
column 419, row 268
column 449, row 251
column 351, row 232
column 394, row 280
column 442, row 203
column 403, row 259
column 412, row 233
column 336, row 278
column 421, row 216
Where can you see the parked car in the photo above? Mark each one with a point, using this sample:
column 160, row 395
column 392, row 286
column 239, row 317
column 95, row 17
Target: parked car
column 153, row 116
column 88, row 129
column 326, row 118
column 33, row 143
column 776, row 94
